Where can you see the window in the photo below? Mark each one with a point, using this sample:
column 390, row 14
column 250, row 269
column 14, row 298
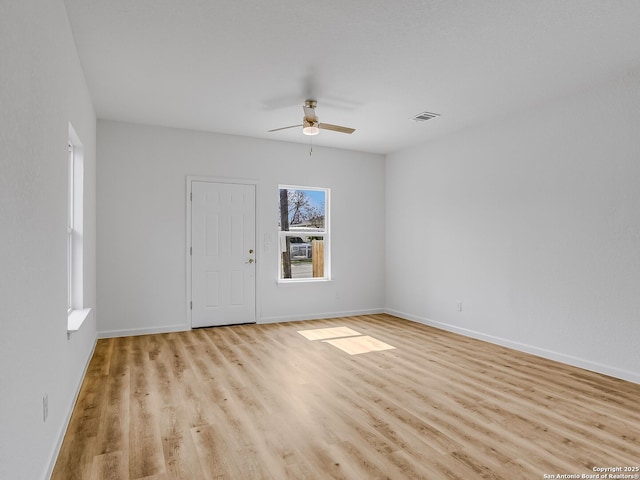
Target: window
column 75, row 207
column 70, row 191
column 303, row 223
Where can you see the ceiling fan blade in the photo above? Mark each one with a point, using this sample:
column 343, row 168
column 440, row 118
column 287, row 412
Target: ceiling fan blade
column 336, row 128
column 284, row 128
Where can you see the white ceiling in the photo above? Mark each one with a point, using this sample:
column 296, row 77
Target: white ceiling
column 246, row 66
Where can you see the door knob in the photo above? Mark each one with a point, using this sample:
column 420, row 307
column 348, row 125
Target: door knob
column 251, row 260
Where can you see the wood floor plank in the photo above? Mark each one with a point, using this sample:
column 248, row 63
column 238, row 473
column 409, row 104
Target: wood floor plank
column 146, row 455
column 109, row 466
column 179, row 451
column 264, row 402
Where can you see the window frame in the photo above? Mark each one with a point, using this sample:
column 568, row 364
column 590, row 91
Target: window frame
column 76, row 311
column 70, row 226
column 323, row 232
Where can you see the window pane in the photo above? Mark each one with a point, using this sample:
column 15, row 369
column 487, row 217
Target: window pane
column 305, row 257
column 70, row 199
column 302, row 210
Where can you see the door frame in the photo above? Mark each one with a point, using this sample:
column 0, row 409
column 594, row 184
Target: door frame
column 241, row 181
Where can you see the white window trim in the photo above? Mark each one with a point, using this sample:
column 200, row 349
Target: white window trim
column 77, row 313
column 325, row 233
column 70, row 215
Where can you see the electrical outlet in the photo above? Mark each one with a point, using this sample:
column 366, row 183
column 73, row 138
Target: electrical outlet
column 45, row 407
column 459, row 305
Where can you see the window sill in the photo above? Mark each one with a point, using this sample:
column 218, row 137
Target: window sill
column 302, row 281
column 75, row 320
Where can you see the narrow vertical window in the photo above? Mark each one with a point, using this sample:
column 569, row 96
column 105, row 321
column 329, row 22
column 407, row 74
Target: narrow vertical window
column 70, row 200
column 77, row 311
column 303, row 222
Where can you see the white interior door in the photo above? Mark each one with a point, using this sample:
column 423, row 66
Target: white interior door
column 223, row 269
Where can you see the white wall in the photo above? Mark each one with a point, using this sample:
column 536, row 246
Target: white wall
column 42, row 89
column 533, row 222
column 142, row 223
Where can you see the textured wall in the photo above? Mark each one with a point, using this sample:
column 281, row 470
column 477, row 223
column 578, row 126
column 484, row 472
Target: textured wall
column 142, row 223
column 42, row 89
column 533, row 223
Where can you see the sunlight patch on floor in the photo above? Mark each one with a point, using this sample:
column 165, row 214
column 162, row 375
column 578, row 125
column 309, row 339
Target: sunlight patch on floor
column 346, row 339
column 324, row 333
column 358, row 345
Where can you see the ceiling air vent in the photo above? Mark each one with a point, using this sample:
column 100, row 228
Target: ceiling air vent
column 424, row 116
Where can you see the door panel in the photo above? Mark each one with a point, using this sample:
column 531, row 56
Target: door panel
column 223, row 259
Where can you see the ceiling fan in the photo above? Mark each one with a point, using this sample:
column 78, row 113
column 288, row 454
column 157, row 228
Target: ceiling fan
column 310, row 124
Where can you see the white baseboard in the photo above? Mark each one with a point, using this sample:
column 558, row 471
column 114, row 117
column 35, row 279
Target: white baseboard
column 540, row 352
column 284, row 318
column 318, row 316
column 130, row 332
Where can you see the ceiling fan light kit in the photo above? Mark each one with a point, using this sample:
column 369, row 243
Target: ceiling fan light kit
column 310, row 124
column 310, row 128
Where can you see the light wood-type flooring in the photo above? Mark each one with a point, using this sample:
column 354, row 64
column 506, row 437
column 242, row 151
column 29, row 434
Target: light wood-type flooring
column 264, row 402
